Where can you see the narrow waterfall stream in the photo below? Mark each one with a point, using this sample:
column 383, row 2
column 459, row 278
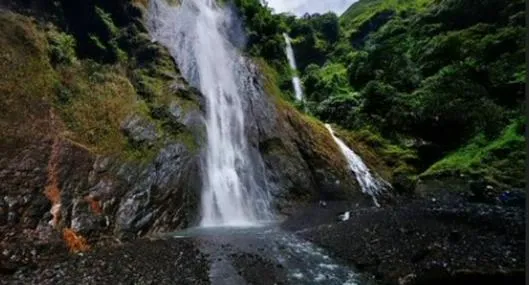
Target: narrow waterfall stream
column 370, row 184
column 296, row 81
column 197, row 34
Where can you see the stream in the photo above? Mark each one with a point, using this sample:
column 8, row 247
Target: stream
column 287, row 258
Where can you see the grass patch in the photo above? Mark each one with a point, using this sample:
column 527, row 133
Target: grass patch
column 500, row 161
column 364, row 10
column 270, row 80
column 93, row 101
column 26, row 82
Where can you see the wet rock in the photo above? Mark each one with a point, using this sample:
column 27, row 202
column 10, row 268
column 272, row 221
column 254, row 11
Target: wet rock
column 408, row 279
column 175, row 111
column 83, row 221
column 139, row 130
column 133, row 209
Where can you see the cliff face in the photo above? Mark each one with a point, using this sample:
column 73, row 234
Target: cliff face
column 101, row 135
column 99, row 145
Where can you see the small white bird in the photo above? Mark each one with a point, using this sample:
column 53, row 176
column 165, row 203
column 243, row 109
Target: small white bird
column 323, row 204
column 345, row 216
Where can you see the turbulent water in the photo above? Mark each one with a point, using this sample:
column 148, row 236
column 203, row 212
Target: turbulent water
column 200, row 36
column 296, row 82
column 370, row 184
column 303, row 262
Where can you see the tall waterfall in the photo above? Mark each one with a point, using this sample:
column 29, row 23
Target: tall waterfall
column 296, row 82
column 198, row 35
column 370, row 184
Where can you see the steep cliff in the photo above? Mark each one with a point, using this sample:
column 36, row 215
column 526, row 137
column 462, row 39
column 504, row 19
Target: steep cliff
column 102, row 137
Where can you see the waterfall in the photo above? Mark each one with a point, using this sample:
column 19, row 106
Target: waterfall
column 370, row 184
column 296, row 82
column 197, row 33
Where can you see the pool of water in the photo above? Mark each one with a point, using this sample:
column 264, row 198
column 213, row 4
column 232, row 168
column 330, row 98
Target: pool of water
column 302, row 262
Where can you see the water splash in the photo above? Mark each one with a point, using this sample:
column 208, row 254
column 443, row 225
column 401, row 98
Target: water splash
column 296, row 82
column 370, row 184
column 304, row 262
column 197, row 33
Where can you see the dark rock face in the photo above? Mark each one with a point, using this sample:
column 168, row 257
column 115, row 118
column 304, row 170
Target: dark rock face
column 139, row 130
column 297, row 167
column 100, row 197
column 105, row 194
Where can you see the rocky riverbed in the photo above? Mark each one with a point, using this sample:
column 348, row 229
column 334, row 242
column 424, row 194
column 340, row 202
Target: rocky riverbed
column 431, row 241
column 434, row 241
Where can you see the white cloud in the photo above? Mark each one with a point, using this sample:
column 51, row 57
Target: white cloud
column 300, row 7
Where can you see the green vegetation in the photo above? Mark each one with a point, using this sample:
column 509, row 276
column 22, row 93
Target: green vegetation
column 309, row 134
column 93, row 104
column 418, row 87
column 363, row 11
column 26, row 79
column 62, row 48
column 84, row 97
column 501, row 161
column 437, row 78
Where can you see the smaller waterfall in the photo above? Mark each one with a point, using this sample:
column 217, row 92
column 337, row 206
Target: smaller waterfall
column 296, row 82
column 370, row 184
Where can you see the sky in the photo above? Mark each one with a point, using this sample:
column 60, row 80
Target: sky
column 300, row 7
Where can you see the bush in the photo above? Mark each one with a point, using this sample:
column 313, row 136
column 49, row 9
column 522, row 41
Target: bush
column 500, row 161
column 62, row 48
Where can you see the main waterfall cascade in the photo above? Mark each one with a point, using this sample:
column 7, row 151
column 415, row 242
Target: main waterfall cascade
column 197, row 35
column 296, row 82
column 370, row 184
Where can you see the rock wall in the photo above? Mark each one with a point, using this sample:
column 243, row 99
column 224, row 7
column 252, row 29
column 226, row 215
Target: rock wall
column 110, row 143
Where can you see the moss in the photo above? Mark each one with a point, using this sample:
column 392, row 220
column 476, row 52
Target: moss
column 149, row 87
column 174, row 2
column 500, row 161
column 270, row 79
column 189, row 141
column 42, row 75
column 27, row 80
column 141, row 3
column 98, row 103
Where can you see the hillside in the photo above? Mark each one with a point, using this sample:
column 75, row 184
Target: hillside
column 433, row 77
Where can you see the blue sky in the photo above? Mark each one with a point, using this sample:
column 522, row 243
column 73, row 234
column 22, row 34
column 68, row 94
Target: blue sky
column 300, row 7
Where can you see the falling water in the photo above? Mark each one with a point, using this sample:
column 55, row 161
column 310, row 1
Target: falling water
column 296, row 82
column 370, row 184
column 197, row 32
